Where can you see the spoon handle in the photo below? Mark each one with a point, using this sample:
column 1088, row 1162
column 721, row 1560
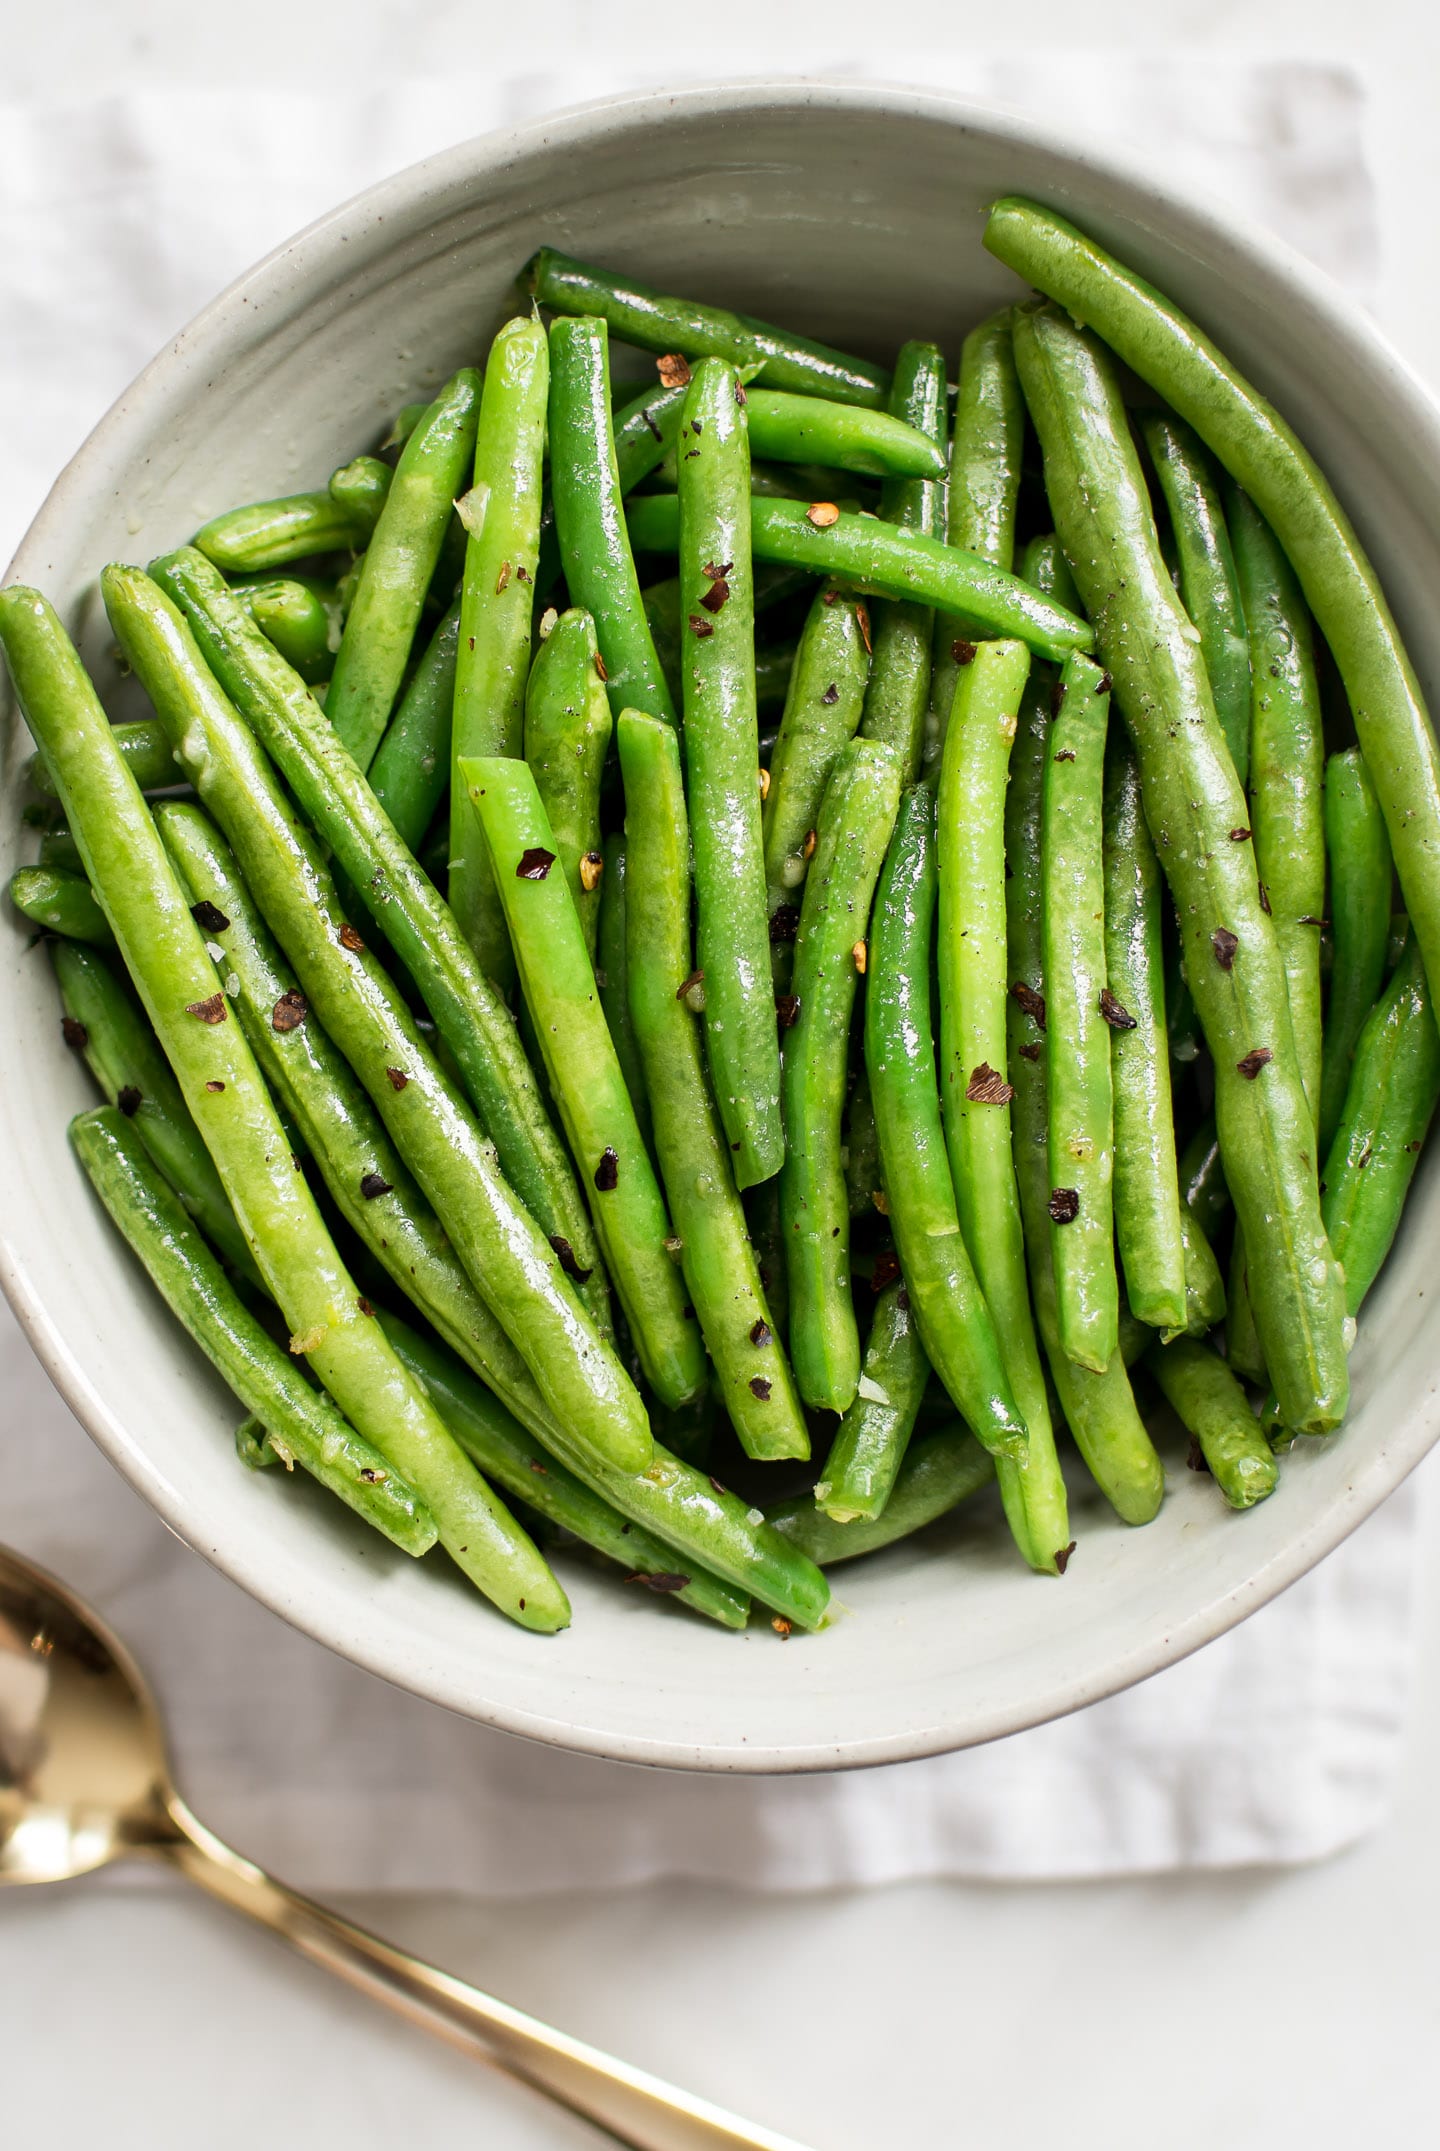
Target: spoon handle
column 634, row 2106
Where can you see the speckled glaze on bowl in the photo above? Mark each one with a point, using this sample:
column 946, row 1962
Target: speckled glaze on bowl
column 855, row 214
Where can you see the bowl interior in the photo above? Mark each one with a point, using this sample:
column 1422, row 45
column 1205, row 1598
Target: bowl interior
column 854, row 214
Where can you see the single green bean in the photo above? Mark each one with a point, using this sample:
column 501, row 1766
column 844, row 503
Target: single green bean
column 59, row 848
column 1204, row 1207
column 952, row 1319
column 166, row 955
column 496, row 605
column 400, row 560
column 722, row 774
column 412, row 762
column 468, row 1009
column 822, row 711
column 862, row 1150
column 1082, row 1137
column 940, row 1470
column 856, row 818
column 104, row 1023
column 558, row 981
column 1210, row 588
column 839, row 436
column 1262, row 454
column 273, row 533
column 767, row 1237
column 1361, row 876
column 640, row 315
column 871, row 1440
column 1192, row 802
column 60, row 902
column 612, row 976
column 886, row 561
column 716, row 1258
column 362, row 487
column 567, row 738
column 897, row 696
column 1211, row 1405
column 1148, row 1214
column 590, row 519
column 1047, row 568
column 146, row 751
column 505, row 1254
column 295, row 619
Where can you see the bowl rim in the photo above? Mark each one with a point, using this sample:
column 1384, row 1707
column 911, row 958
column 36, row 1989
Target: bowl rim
column 302, row 1600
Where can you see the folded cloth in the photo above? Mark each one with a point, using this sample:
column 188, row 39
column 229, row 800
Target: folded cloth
column 1279, row 1742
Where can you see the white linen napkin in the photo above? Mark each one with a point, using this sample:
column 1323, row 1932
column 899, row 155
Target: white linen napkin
column 1280, row 1742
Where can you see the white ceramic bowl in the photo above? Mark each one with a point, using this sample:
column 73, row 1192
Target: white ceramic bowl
column 855, row 214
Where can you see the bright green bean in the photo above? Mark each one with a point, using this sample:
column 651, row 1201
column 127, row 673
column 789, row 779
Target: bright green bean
column 567, row 737
column 60, row 903
column 362, row 487
column 1209, row 586
column 822, row 711
column 716, row 1258
column 1361, row 876
column 293, row 616
column 412, row 762
column 400, row 559
column 897, row 696
column 871, row 1440
column 839, row 436
column 273, row 533
column 940, row 1470
column 1211, row 1405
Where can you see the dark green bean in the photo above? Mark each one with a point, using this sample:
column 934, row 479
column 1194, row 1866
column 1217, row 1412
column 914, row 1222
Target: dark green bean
column 871, row 1440
column 412, row 762
column 822, row 711
column 59, row 848
column 60, row 902
column 897, row 696
column 1209, row 586
column 612, row 976
column 862, row 1150
column 1211, row 1405
column 567, row 737
column 940, row 1470
column 1361, row 876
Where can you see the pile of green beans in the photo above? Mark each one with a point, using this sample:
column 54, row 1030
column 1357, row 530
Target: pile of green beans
column 752, row 959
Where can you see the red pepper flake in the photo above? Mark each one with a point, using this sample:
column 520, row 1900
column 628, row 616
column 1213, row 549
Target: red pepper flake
column 1062, row 1556
column 371, row 1185
column 592, row 866
column 522, row 574
column 1224, row 944
column 760, row 1333
column 714, row 573
column 1116, row 1014
column 214, row 1086
column 1412, row 1146
column 822, row 513
column 75, row 1035
column 607, row 1172
column 1031, row 1002
column 130, row 1100
column 212, row 1010
column 650, row 422
column 862, row 621
column 1239, row 836
column 988, row 1087
column 1254, row 1061
column 1030, row 1051
column 781, row 1626
column 535, row 863
column 1057, row 698
column 696, row 978
column 540, row 1470
column 601, row 674
column 787, row 1010
column 760, row 1386
column 363, row 1305
column 673, row 370
column 1104, row 684
column 1066, row 754
column 831, row 695
column 716, row 595
column 372, row 1477
column 289, row 1011
column 210, row 916
column 1264, row 899
column 885, row 1271
column 662, row 1580
column 700, row 627
column 1064, row 1205
column 740, row 396
column 398, row 1078
column 350, row 939
column 565, row 1254
column 830, row 597
column 503, row 577
column 962, row 651
column 784, row 922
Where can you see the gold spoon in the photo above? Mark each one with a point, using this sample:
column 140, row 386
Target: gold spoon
column 84, row 1779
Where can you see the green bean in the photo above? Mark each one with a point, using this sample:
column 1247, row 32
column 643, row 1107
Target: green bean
column 886, row 561
column 1204, row 1285
column 558, row 981
column 772, row 666
column 590, row 520
column 862, row 1150
column 60, row 902
column 1182, row 1024
column 1202, row 1178
column 412, row 762
column 952, row 1319
column 612, row 976
column 400, row 559
column 1360, row 880
column 294, row 618
column 306, row 1427
column 362, row 487
column 767, row 1237
column 272, row 533
column 1389, row 1104
column 822, row 711
column 496, row 604
column 506, row 1453
column 897, row 696
column 166, row 956
column 839, row 436
column 872, row 1438
column 645, row 430
column 716, row 1258
column 1211, row 1405
column 513, row 1267
column 984, row 488
column 940, row 1470
column 567, row 737
column 722, row 777
column 1100, row 1409
column 406, row 419
column 1210, row 590
column 1192, row 802
column 1082, row 1139
column 469, row 1011
column 856, row 818
column 1148, row 1221
column 1262, row 454
column 640, row 315
column 103, row 1023
column 1047, row 568
column 1287, row 770
column 368, row 1180
column 146, row 752
column 58, row 848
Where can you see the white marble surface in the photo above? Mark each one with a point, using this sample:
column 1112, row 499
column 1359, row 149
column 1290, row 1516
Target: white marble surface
column 1245, row 2010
